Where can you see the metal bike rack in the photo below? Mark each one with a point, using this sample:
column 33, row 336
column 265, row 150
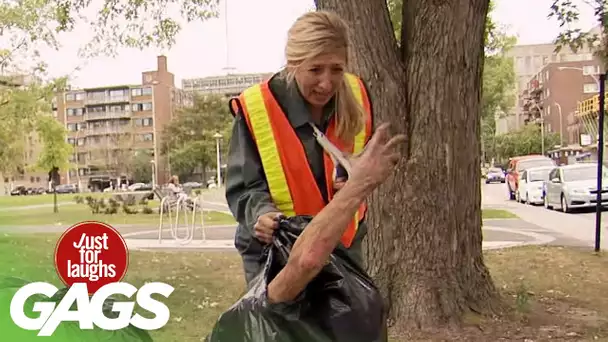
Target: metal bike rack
column 189, row 219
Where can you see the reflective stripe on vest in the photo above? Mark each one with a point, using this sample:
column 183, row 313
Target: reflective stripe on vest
column 291, row 183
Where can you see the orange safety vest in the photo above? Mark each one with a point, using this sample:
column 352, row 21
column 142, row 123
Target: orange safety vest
column 291, row 182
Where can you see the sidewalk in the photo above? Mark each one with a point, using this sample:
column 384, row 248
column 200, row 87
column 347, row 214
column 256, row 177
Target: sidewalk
column 221, row 238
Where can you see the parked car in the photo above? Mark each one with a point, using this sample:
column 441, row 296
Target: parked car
column 495, row 175
column 518, row 164
column 66, row 189
column 573, row 186
column 19, row 191
column 140, row 187
column 530, row 184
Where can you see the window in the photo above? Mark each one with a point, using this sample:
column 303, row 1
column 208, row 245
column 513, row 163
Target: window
column 147, row 91
column 548, row 91
column 146, row 122
column 146, row 106
column 590, row 88
column 71, row 141
column 75, row 111
column 145, row 137
column 70, row 97
column 72, row 127
column 136, row 92
column 545, row 60
column 79, row 96
column 118, row 93
column 591, row 70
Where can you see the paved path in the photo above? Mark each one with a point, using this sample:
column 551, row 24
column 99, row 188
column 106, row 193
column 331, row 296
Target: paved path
column 222, row 237
column 577, row 228
column 500, row 233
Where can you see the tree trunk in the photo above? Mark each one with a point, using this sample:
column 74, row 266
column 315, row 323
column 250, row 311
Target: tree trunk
column 424, row 248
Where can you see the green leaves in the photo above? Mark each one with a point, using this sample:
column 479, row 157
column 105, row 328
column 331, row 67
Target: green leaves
column 567, row 13
column 56, row 151
column 190, row 142
column 523, row 142
column 23, row 103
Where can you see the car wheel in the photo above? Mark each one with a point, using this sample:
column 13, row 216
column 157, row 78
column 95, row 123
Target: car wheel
column 564, row 204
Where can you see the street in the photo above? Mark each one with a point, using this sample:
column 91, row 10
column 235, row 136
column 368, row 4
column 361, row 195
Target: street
column 579, row 225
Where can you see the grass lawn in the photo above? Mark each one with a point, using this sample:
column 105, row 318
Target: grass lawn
column 20, row 201
column 497, row 214
column 205, row 283
column 555, row 293
column 71, row 214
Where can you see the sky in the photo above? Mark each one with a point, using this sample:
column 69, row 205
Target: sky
column 256, row 37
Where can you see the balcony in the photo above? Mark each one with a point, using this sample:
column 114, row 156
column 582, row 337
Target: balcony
column 107, row 100
column 107, row 115
column 107, row 130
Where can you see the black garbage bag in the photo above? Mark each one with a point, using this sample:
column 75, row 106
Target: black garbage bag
column 340, row 304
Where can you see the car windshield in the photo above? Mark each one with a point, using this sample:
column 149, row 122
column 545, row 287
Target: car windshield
column 581, row 173
column 538, row 175
column 527, row 164
column 495, row 170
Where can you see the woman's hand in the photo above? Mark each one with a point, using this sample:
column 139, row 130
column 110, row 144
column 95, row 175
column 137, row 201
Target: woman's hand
column 266, row 225
column 339, row 183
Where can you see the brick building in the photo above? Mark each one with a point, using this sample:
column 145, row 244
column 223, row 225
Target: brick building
column 104, row 122
column 227, row 85
column 552, row 94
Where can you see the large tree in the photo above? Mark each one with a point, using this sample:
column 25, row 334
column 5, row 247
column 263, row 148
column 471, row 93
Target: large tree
column 425, row 244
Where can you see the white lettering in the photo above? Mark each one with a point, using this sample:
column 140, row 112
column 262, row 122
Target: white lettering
column 89, row 312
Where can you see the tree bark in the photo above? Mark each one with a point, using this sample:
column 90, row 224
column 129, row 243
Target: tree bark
column 424, row 247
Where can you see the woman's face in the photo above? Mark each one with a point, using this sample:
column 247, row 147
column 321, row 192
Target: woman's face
column 319, row 78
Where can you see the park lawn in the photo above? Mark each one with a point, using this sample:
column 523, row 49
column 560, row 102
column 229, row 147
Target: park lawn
column 21, row 201
column 71, row 214
column 550, row 291
column 497, row 214
column 205, row 283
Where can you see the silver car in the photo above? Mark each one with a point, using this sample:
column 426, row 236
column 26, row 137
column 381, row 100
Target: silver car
column 573, row 186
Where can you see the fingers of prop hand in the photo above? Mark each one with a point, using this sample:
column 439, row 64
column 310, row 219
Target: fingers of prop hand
column 379, row 138
column 395, row 141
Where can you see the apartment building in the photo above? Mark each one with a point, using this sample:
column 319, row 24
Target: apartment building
column 107, row 125
column 528, row 60
column 227, row 85
column 553, row 93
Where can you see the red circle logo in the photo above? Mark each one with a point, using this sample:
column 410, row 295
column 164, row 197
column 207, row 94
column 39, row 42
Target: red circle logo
column 93, row 253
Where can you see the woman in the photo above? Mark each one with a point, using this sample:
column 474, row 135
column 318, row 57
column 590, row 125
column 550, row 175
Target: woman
column 276, row 165
column 176, row 188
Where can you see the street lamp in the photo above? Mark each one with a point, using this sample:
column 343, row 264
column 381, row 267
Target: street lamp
column 218, row 137
column 541, row 120
column 583, row 71
column 153, row 165
column 561, row 133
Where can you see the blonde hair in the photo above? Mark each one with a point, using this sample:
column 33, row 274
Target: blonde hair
column 319, row 33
